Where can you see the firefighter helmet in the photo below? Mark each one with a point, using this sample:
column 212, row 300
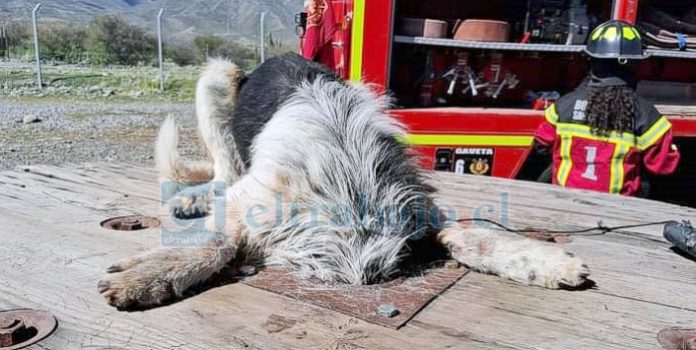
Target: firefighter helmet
column 615, row 39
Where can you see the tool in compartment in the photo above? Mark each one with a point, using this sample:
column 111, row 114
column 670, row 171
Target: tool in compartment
column 557, row 22
column 497, row 78
column 462, row 69
column 431, row 86
column 509, row 82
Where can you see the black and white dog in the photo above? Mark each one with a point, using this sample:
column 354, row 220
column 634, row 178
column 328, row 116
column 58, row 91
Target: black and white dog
column 318, row 182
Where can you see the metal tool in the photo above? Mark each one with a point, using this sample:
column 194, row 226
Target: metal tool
column 682, row 235
column 510, row 81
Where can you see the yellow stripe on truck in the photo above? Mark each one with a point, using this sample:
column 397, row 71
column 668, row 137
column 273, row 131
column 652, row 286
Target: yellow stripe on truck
column 356, row 40
column 468, row 140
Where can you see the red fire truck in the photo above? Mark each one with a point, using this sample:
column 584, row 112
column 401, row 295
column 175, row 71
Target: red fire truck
column 471, row 105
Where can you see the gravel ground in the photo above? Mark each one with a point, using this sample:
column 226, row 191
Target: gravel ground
column 77, row 132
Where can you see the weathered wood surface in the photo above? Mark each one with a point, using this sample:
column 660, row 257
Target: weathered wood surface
column 53, row 252
column 684, row 109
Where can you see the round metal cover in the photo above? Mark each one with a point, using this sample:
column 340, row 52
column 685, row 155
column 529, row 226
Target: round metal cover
column 21, row 328
column 677, row 338
column 130, row 223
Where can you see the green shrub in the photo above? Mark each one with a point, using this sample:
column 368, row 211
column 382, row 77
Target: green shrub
column 182, row 54
column 63, row 42
column 113, row 41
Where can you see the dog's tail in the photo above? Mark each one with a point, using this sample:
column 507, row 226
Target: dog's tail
column 216, row 96
column 169, row 164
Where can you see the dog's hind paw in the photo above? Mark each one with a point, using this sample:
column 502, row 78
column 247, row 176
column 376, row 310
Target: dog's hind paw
column 184, row 207
column 552, row 267
column 192, row 202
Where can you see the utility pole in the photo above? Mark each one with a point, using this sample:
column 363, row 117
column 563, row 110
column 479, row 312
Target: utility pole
column 159, row 49
column 262, row 37
column 36, row 46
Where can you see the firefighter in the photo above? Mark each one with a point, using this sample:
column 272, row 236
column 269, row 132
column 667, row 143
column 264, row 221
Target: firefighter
column 602, row 136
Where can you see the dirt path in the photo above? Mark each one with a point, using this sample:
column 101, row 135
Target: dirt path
column 76, row 132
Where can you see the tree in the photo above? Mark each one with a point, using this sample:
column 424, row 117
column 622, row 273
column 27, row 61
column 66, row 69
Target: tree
column 113, row 41
column 64, row 42
column 16, row 38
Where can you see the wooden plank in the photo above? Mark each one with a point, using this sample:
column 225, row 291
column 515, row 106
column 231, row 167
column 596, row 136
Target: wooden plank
column 501, row 311
column 683, row 109
column 552, row 207
column 53, row 252
column 52, row 262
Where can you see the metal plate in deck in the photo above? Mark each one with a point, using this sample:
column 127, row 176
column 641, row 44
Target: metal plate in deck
column 408, row 294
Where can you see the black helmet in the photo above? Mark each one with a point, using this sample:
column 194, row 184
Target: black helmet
column 615, row 39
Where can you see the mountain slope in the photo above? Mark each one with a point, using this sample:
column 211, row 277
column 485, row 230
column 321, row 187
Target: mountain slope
column 182, row 18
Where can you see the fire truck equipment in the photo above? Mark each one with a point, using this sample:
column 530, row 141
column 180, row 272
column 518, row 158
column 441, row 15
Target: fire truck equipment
column 509, row 82
column 411, row 68
column 557, row 21
column 497, row 77
column 682, row 235
column 425, row 86
column 429, row 28
column 615, row 39
column 659, row 38
column 462, row 68
column 668, row 22
column 578, row 23
column 300, row 23
column 481, row 30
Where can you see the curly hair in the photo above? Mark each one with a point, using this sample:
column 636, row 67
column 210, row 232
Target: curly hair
column 611, row 99
column 611, row 108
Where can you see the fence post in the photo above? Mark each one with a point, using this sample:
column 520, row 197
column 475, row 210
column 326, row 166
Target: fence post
column 36, row 46
column 159, row 49
column 262, row 39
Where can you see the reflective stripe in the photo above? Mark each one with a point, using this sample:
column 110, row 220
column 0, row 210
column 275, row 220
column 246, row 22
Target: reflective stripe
column 551, row 115
column 586, row 132
column 653, row 134
column 468, row 140
column 616, row 178
column 566, row 161
column 356, row 44
column 623, row 142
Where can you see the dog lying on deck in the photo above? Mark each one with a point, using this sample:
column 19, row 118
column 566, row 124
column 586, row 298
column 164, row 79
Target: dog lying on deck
column 317, row 182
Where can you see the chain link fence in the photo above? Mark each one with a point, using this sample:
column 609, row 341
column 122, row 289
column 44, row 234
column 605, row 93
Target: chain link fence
column 111, row 58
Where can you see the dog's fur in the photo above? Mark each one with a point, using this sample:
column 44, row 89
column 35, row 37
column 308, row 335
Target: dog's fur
column 317, row 182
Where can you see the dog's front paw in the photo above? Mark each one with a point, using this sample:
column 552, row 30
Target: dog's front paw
column 135, row 283
column 554, row 268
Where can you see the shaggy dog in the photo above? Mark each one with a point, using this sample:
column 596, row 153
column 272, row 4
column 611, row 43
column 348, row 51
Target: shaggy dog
column 317, row 181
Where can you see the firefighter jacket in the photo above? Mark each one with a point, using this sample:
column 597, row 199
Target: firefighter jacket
column 612, row 164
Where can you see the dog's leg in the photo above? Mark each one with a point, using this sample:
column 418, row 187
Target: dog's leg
column 157, row 276
column 518, row 259
column 150, row 279
column 216, row 98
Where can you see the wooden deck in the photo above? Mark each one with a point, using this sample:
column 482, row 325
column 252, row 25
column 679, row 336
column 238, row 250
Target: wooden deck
column 53, row 252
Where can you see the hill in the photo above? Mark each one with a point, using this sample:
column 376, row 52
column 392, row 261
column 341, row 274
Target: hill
column 182, row 18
